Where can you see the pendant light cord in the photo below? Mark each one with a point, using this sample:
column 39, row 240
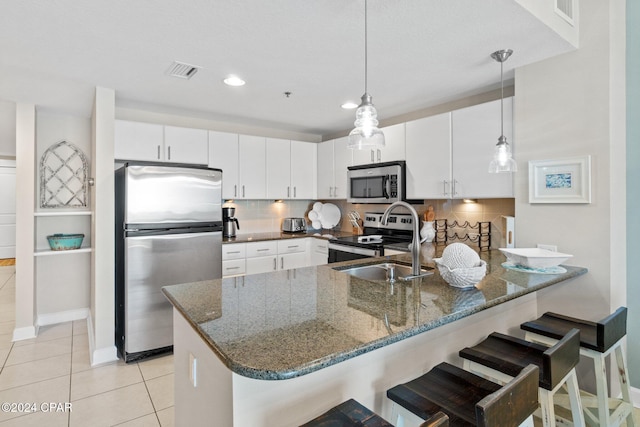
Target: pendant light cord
column 365, row 46
column 501, row 100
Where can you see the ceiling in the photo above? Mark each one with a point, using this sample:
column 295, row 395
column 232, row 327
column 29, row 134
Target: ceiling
column 421, row 53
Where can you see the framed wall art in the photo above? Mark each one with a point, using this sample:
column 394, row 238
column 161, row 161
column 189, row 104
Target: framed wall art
column 560, row 180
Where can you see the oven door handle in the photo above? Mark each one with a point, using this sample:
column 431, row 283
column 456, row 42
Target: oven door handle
column 386, row 186
column 354, row 249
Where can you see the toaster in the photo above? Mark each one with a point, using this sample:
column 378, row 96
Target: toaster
column 294, row 225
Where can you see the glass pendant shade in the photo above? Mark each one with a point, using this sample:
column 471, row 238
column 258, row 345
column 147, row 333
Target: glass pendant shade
column 502, row 158
column 366, row 133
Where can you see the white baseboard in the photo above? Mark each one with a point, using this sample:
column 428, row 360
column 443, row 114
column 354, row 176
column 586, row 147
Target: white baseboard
column 62, row 316
column 99, row 356
column 25, row 333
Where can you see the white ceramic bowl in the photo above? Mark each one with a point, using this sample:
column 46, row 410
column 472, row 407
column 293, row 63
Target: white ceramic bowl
column 462, row 277
column 534, row 257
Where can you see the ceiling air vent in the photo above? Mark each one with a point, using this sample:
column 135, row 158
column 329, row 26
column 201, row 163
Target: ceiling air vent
column 566, row 9
column 182, row 70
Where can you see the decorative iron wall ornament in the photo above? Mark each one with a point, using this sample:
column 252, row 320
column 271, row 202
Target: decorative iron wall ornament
column 63, row 177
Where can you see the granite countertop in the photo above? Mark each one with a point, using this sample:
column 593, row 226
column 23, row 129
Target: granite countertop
column 286, row 324
column 280, row 235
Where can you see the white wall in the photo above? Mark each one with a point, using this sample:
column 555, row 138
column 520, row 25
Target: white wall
column 633, row 190
column 563, row 108
column 7, row 129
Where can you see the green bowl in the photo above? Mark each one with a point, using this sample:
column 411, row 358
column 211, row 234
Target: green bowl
column 65, row 242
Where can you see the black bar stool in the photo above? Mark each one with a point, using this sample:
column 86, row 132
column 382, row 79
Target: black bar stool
column 501, row 357
column 349, row 413
column 466, row 398
column 597, row 341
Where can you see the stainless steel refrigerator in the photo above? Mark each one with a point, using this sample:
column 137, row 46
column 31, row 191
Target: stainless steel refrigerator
column 168, row 231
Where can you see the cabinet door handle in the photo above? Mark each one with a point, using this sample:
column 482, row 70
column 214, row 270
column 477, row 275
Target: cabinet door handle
column 371, row 156
column 330, row 191
column 453, row 188
column 263, row 249
column 294, row 192
column 243, row 190
column 444, row 187
column 169, row 152
column 233, row 252
column 335, row 191
column 158, row 152
column 288, row 191
column 235, row 190
column 281, row 263
column 293, row 246
column 379, row 154
column 275, row 266
column 232, row 268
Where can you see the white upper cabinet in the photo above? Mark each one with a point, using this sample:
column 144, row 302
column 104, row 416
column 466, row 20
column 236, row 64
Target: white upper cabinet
column 138, row 141
column 429, row 157
column 252, row 154
column 448, row 154
column 291, row 169
column 475, row 132
column 303, row 169
column 278, row 168
column 185, row 145
column 333, row 159
column 223, row 154
column 158, row 143
column 394, row 148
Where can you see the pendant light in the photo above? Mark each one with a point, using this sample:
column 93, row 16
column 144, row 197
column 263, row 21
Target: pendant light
column 366, row 133
column 502, row 157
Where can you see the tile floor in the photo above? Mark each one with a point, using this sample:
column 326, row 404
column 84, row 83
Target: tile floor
column 54, row 368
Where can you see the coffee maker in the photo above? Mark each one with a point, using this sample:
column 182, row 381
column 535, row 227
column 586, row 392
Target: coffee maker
column 229, row 222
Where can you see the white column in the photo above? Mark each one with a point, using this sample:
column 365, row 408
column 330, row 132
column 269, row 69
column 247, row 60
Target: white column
column 102, row 318
column 25, row 326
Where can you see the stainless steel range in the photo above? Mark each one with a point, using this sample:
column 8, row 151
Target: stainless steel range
column 396, row 235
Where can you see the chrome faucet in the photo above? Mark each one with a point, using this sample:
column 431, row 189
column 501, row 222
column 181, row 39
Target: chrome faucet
column 415, row 244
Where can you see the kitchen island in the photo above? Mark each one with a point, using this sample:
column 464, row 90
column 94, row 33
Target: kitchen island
column 278, row 349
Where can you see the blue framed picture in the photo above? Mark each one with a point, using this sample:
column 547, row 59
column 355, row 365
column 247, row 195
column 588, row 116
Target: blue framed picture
column 560, row 180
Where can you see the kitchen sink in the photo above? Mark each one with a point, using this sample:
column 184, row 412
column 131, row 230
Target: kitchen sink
column 386, row 271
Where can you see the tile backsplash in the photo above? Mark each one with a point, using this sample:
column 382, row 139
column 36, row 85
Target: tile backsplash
column 257, row 216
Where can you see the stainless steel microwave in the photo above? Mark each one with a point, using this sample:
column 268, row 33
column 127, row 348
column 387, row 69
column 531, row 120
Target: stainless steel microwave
column 376, row 183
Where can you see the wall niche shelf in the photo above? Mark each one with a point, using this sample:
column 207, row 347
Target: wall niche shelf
column 61, row 213
column 49, row 252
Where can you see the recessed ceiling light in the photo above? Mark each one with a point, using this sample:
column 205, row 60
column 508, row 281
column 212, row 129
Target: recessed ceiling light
column 349, row 105
column 234, row 81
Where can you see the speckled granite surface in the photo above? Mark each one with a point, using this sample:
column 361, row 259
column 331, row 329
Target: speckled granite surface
column 285, row 324
column 279, row 235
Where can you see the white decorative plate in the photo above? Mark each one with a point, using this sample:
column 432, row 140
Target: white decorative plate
column 330, row 215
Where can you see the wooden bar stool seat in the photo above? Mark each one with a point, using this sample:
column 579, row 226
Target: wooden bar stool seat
column 597, row 341
column 466, row 398
column 502, row 357
column 347, row 414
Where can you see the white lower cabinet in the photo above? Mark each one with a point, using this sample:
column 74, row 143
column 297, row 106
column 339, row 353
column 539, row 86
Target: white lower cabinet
column 233, row 259
column 319, row 252
column 261, row 257
column 265, row 256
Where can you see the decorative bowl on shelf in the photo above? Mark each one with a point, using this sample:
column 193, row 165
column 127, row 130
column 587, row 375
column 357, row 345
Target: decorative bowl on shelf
column 462, row 277
column 534, row 257
column 65, row 242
